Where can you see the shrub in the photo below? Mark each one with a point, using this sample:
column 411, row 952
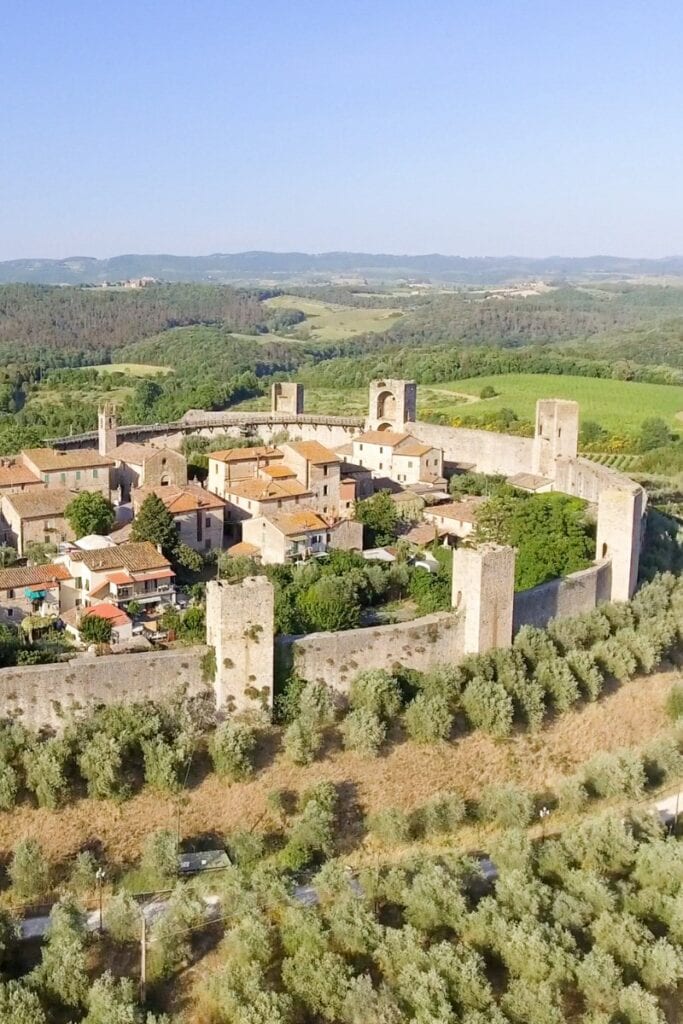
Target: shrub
column 159, row 862
column 674, row 702
column 232, row 748
column 507, row 805
column 171, row 935
column 391, row 826
column 586, row 672
column 29, row 871
column 46, row 772
column 83, row 874
column 364, row 732
column 100, row 765
column 246, row 848
column 20, row 1005
column 443, row 813
column 662, row 758
column 94, row 629
column 617, row 774
column 9, row 786
column 316, row 703
column 428, row 718
column 303, row 740
column 164, row 763
column 62, row 973
column 571, row 794
column 112, row 1001
column 488, row 706
column 312, row 832
column 378, row 692
column 122, row 918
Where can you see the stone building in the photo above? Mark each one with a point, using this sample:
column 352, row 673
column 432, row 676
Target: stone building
column 134, row 571
column 455, row 520
column 82, row 469
column 30, row 590
column 198, row 514
column 233, row 464
column 398, row 456
column 295, row 536
column 138, row 465
column 36, row 516
column 319, row 470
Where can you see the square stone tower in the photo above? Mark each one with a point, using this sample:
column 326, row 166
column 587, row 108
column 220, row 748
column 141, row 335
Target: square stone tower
column 287, row 396
column 107, row 426
column 556, row 434
column 620, row 524
column 393, row 403
column 239, row 626
column 484, row 588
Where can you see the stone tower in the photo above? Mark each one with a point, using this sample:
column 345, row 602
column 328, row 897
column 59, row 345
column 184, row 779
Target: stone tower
column 484, row 588
column 107, row 426
column 393, row 403
column 556, row 434
column 287, row 396
column 239, row 626
column 620, row 524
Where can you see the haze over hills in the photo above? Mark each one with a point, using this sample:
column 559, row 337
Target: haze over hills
column 287, row 266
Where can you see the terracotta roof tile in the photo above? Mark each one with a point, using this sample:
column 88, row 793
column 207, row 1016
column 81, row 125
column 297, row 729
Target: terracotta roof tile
column 246, row 454
column 32, row 575
column 278, row 472
column 313, row 452
column 14, row 474
column 136, row 556
column 258, row 489
column 300, row 521
column 464, row 511
column 39, row 503
column 384, row 437
column 177, row 500
column 243, row 548
column 48, row 460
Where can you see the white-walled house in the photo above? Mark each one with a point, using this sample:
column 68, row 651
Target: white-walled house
column 399, row 457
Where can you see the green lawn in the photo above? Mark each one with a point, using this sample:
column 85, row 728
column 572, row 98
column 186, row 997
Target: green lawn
column 327, row 321
column 620, row 406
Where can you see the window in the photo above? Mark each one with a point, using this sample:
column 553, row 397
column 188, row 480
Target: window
column 78, row 474
column 95, row 474
column 46, row 478
column 325, row 490
column 324, row 470
column 86, row 584
column 10, row 593
column 410, row 464
column 360, row 447
column 381, row 450
column 207, row 521
column 360, row 461
column 10, row 612
column 381, row 466
column 62, row 478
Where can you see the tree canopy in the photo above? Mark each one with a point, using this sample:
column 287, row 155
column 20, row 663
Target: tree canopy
column 155, row 523
column 90, row 512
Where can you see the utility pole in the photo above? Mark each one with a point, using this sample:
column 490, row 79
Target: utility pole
column 143, row 957
column 100, row 876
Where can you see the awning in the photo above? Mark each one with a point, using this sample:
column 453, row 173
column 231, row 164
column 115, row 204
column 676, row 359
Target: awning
column 34, row 595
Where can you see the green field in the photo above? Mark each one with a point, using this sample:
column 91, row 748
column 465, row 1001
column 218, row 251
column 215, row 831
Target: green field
column 132, row 369
column 620, row 406
column 326, row 321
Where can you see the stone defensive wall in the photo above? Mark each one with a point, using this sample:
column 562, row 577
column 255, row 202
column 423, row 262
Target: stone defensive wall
column 489, row 452
column 329, row 430
column 335, row 658
column 43, row 696
column 564, row 598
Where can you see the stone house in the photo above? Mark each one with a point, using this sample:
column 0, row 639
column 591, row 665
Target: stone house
column 134, row 571
column 293, row 536
column 15, row 476
column 319, row 470
column 140, row 465
column 261, row 497
column 400, row 457
column 121, row 623
column 31, row 590
column 457, row 519
column 36, row 516
column 235, row 464
column 82, row 469
column 198, row 514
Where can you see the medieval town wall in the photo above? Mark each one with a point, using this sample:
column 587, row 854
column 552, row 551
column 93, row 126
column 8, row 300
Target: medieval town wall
column 486, row 451
column 336, row 658
column 44, row 696
column 562, row 599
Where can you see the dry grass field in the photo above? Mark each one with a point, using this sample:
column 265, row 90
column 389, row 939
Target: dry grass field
column 405, row 776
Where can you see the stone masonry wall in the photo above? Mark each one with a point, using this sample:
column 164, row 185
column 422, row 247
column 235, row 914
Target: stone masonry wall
column 561, row 599
column 488, row 452
column 43, row 695
column 335, row 658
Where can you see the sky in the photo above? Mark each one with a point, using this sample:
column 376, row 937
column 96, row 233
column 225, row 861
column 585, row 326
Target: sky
column 485, row 127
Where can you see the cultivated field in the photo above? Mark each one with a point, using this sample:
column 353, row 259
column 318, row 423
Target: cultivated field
column 327, row 321
column 407, row 775
column 620, row 406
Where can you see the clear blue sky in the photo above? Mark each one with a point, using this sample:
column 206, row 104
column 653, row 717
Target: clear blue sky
column 482, row 127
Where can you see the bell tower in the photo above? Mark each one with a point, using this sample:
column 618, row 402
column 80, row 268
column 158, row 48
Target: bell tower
column 107, row 426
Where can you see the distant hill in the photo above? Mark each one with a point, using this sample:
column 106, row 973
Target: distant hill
column 249, row 267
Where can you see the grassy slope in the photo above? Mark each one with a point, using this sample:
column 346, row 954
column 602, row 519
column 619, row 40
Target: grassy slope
column 133, row 369
column 617, row 405
column 405, row 776
column 330, row 322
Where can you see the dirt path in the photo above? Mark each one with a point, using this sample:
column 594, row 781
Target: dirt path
column 469, row 399
column 405, row 776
